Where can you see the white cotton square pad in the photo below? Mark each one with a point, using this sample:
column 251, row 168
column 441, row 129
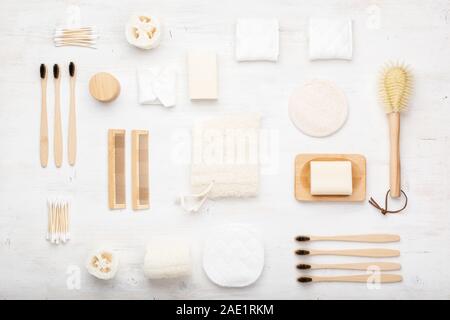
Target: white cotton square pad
column 331, row 178
column 167, row 257
column 330, row 38
column 157, row 85
column 225, row 150
column 202, row 74
column 233, row 257
column 257, row 39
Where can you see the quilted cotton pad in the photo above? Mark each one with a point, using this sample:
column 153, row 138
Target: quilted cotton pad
column 318, row 108
column 233, row 257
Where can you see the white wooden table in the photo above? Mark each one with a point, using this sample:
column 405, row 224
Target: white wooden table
column 417, row 32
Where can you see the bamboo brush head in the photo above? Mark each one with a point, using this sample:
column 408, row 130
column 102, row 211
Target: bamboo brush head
column 395, row 87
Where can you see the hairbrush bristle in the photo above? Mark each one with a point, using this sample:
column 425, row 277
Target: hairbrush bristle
column 304, row 279
column 71, row 69
column 302, row 252
column 395, row 87
column 43, row 71
column 56, row 71
column 302, row 238
column 303, row 266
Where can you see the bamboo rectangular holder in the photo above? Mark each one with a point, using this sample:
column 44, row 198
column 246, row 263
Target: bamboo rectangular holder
column 140, row 169
column 302, row 177
column 116, row 169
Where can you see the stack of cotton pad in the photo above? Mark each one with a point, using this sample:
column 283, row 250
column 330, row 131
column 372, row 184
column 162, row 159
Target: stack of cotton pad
column 233, row 257
column 318, row 108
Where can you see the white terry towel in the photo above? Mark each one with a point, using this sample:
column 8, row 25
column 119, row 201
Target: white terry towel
column 330, row 38
column 257, row 39
column 167, row 257
column 226, row 154
column 157, row 86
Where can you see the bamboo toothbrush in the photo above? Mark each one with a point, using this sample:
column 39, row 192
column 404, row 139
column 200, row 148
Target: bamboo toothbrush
column 381, row 278
column 375, row 238
column 395, row 88
column 57, row 138
column 72, row 145
column 381, row 266
column 373, row 253
column 43, row 137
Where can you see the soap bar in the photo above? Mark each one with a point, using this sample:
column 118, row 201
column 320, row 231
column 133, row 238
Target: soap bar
column 202, row 70
column 331, row 177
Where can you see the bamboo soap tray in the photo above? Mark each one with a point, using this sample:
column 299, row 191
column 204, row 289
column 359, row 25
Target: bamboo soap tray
column 302, row 177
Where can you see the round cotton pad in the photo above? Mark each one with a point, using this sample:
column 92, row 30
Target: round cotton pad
column 318, row 108
column 233, row 257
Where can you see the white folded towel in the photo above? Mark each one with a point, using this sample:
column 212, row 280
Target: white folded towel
column 330, row 38
column 157, row 86
column 257, row 39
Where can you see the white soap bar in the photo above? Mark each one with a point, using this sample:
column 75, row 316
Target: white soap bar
column 202, row 70
column 331, row 178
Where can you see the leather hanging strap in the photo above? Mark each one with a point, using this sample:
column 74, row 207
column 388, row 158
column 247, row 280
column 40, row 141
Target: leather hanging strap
column 385, row 210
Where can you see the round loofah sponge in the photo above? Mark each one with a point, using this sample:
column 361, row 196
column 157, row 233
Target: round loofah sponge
column 318, row 108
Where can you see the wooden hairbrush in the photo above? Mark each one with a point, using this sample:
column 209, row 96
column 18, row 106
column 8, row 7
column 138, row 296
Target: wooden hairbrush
column 395, row 89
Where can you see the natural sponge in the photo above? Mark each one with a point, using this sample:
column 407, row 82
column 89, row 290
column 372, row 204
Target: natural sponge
column 143, row 31
column 167, row 257
column 103, row 264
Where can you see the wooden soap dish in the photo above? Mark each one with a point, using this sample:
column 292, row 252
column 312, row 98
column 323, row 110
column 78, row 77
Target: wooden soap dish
column 302, row 177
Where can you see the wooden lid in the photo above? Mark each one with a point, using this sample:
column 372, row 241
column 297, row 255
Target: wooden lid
column 104, row 87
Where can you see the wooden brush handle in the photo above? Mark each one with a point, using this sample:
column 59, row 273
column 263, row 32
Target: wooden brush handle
column 382, row 278
column 394, row 137
column 373, row 253
column 382, row 266
column 43, row 137
column 375, row 238
column 57, row 138
column 72, row 144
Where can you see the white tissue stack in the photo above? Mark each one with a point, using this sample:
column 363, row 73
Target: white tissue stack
column 257, row 39
column 330, row 38
column 157, row 86
column 167, row 257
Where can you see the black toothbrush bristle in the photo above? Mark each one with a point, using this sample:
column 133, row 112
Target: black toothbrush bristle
column 302, row 252
column 71, row 69
column 304, row 279
column 302, row 266
column 56, row 71
column 302, row 238
column 43, row 71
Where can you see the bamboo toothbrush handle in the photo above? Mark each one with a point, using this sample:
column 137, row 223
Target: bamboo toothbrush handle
column 381, row 278
column 375, row 238
column 394, row 136
column 72, row 145
column 381, row 266
column 57, row 139
column 373, row 253
column 43, row 137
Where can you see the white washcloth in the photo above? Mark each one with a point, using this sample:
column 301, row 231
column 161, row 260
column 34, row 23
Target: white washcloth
column 225, row 154
column 257, row 39
column 330, row 38
column 157, row 86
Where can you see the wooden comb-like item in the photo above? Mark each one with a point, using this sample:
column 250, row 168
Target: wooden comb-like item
column 140, row 169
column 116, row 169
